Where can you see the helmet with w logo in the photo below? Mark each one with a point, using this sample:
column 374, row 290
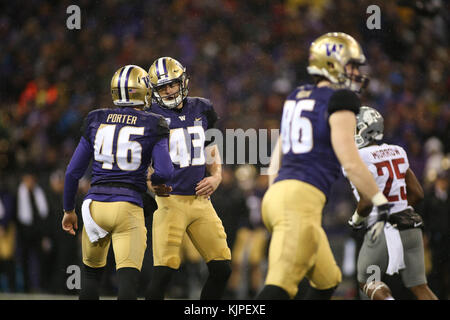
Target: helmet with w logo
column 330, row 53
column 130, row 86
column 168, row 71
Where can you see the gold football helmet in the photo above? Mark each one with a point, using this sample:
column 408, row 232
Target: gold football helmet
column 330, row 53
column 164, row 71
column 130, row 86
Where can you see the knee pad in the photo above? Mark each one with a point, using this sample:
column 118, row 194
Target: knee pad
column 220, row 269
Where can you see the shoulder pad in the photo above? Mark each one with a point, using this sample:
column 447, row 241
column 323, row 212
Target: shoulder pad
column 202, row 100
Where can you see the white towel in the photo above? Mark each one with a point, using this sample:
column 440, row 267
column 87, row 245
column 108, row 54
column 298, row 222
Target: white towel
column 395, row 249
column 24, row 209
column 93, row 230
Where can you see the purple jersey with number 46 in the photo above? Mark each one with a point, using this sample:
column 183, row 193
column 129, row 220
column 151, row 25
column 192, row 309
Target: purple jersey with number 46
column 122, row 142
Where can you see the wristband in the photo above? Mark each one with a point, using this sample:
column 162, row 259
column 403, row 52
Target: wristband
column 379, row 199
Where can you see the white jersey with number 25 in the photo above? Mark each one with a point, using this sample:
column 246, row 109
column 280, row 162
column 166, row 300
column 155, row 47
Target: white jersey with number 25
column 388, row 165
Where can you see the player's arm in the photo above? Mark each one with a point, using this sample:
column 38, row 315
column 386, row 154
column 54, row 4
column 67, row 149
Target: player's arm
column 342, row 125
column 364, row 206
column 209, row 184
column 275, row 162
column 75, row 170
column 162, row 169
column 414, row 191
column 162, row 164
column 342, row 108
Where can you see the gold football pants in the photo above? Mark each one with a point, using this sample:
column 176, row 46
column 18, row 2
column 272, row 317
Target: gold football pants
column 292, row 211
column 126, row 226
column 177, row 215
column 254, row 241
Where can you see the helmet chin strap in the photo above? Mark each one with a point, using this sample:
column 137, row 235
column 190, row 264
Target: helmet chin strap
column 351, row 82
column 171, row 104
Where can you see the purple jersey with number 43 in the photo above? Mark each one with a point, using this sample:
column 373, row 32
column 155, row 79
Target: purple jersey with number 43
column 187, row 141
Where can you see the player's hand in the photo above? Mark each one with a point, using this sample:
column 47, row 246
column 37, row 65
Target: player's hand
column 162, row 190
column 70, row 222
column 377, row 228
column 207, row 186
column 356, row 221
column 355, row 226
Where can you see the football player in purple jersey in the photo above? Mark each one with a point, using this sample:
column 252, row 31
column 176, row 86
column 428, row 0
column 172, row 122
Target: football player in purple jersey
column 197, row 174
column 317, row 129
column 121, row 142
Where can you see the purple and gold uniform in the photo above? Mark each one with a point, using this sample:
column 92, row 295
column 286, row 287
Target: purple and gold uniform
column 183, row 211
column 292, row 207
column 187, row 141
column 306, row 144
column 121, row 142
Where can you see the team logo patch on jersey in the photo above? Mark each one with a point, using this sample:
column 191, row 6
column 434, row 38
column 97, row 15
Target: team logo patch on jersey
column 182, row 118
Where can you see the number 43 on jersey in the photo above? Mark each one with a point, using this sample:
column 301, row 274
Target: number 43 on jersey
column 181, row 140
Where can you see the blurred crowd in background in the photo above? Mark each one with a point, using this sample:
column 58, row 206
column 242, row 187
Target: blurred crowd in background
column 245, row 56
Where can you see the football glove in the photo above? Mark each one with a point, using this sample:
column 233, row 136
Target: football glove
column 356, row 221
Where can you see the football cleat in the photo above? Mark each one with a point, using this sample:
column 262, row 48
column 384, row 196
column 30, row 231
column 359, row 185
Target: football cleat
column 130, row 86
column 165, row 71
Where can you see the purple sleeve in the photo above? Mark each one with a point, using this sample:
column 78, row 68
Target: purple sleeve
column 75, row 170
column 161, row 162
